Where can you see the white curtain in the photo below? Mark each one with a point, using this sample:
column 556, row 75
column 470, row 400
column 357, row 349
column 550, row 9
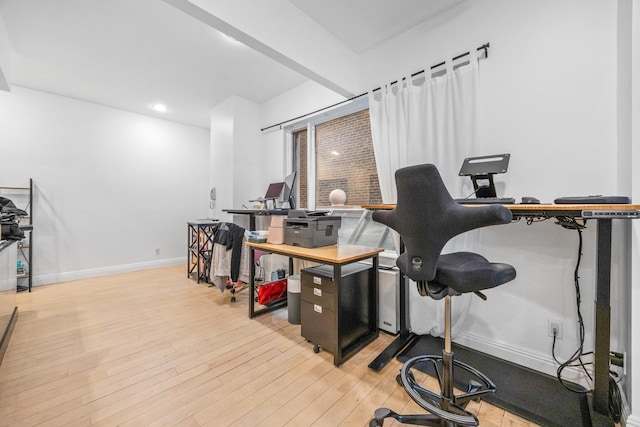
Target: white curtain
column 430, row 121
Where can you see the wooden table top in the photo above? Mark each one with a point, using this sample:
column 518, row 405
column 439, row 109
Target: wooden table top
column 548, row 209
column 539, row 207
column 334, row 254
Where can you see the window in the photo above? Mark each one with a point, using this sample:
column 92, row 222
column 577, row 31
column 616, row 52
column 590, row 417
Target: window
column 341, row 157
column 344, row 159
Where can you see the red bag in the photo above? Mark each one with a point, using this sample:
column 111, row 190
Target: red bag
column 271, row 291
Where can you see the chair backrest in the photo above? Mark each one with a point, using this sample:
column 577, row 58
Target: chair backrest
column 427, row 217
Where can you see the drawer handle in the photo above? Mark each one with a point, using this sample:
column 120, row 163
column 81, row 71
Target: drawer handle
column 317, row 308
column 317, row 292
column 317, row 280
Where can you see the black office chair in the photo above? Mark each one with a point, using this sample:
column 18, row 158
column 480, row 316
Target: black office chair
column 426, row 217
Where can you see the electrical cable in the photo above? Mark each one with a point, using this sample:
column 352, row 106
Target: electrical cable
column 475, row 191
column 532, row 219
column 615, row 398
column 572, row 224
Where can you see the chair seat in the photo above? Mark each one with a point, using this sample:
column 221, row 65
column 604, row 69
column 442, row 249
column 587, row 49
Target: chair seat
column 462, row 272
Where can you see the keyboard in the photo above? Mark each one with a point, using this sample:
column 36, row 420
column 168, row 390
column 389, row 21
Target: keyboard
column 488, row 201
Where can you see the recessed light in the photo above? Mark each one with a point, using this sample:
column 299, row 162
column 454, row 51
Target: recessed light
column 160, row 108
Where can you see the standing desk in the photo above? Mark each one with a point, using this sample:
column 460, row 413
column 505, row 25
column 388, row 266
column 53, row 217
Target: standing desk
column 256, row 212
column 602, row 326
column 337, row 256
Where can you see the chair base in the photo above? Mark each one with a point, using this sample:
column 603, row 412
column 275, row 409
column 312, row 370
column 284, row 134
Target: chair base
column 418, row 419
column 446, row 408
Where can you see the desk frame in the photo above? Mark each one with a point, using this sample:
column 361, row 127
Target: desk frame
column 602, row 324
column 337, row 256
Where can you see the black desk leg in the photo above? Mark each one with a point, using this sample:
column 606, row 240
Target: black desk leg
column 338, row 355
column 404, row 338
column 252, row 282
column 373, row 288
column 602, row 318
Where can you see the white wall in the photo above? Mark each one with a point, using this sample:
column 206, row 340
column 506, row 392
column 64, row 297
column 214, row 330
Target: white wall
column 634, row 356
column 222, row 159
column 111, row 187
column 237, row 163
column 547, row 90
column 548, row 97
column 244, row 160
column 5, row 58
column 303, row 99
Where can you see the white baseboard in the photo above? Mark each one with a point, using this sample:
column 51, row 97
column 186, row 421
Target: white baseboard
column 47, row 279
column 534, row 360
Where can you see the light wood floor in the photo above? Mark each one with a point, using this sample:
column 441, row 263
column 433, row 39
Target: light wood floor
column 155, row 348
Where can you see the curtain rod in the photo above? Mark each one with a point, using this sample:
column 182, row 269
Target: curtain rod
column 484, row 47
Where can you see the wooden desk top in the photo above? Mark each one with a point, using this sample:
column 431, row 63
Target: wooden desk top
column 539, row 208
column 334, row 254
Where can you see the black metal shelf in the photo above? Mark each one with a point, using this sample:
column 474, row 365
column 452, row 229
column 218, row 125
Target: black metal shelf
column 25, row 246
column 200, row 245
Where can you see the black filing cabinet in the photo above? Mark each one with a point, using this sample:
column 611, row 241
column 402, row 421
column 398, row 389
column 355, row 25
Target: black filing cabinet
column 337, row 317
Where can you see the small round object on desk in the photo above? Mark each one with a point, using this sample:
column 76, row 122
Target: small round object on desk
column 337, row 197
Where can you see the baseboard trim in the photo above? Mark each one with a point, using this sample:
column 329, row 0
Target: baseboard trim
column 6, row 336
column 48, row 279
column 536, row 361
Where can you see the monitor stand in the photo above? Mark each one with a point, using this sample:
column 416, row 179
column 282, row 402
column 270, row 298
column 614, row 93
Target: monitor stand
column 481, row 171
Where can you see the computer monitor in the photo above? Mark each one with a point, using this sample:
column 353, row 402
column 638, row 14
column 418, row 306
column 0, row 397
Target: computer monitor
column 287, row 192
column 274, row 191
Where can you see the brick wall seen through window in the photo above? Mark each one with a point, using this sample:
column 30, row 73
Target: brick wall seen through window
column 344, row 160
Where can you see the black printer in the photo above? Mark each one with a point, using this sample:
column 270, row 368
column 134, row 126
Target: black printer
column 311, row 229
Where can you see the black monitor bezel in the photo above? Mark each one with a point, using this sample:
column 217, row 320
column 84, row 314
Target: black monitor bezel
column 288, row 191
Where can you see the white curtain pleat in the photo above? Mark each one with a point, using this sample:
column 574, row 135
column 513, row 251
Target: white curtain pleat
column 432, row 122
column 388, row 126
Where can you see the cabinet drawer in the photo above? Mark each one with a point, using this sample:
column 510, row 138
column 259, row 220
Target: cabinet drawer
column 318, row 281
column 318, row 295
column 318, row 325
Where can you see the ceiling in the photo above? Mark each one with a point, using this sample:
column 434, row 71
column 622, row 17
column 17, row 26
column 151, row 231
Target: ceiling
column 132, row 54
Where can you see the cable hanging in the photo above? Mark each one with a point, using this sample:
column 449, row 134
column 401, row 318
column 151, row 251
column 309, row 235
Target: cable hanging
column 484, row 47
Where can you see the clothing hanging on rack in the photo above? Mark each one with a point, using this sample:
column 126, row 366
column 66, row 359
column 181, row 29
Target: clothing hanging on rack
column 229, row 256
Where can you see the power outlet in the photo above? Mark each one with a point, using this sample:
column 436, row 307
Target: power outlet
column 157, row 251
column 554, row 327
